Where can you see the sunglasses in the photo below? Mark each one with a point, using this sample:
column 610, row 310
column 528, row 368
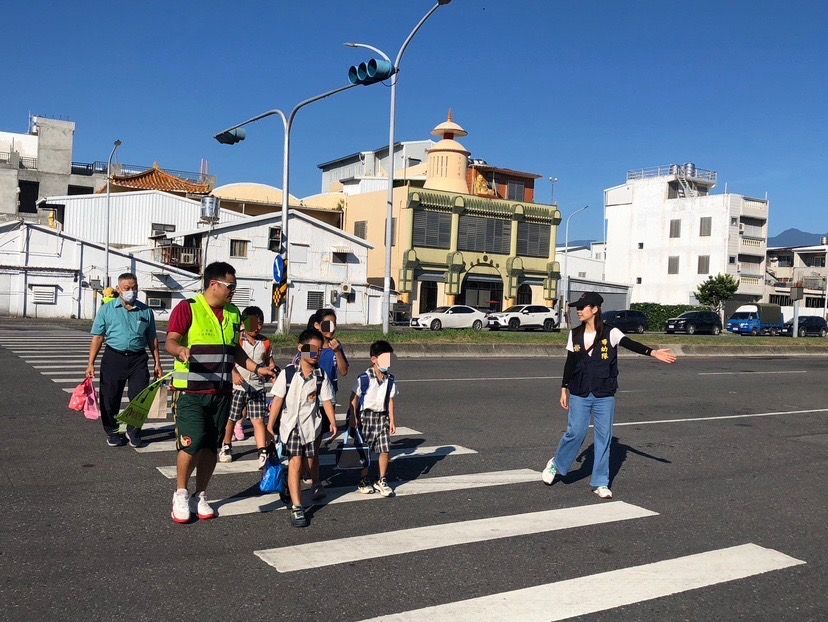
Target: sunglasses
column 230, row 286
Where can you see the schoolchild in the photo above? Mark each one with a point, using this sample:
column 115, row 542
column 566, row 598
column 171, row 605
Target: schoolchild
column 590, row 380
column 372, row 403
column 249, row 388
column 298, row 393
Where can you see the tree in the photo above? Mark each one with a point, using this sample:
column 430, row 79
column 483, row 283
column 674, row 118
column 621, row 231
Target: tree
column 717, row 290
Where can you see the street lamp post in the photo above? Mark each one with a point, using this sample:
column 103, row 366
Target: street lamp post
column 232, row 135
column 389, row 218
column 552, row 181
column 566, row 269
column 117, row 144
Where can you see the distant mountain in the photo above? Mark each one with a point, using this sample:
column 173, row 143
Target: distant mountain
column 795, row 237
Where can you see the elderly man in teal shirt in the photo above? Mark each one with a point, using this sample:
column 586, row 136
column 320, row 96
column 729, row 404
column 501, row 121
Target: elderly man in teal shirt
column 128, row 327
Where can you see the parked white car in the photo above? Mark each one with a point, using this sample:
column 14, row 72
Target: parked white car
column 456, row 316
column 523, row 317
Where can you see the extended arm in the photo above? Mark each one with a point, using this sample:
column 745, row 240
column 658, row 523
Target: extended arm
column 664, row 355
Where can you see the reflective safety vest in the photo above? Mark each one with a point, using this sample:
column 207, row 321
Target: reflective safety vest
column 212, row 349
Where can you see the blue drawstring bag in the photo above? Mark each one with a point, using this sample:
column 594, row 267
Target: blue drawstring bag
column 274, row 474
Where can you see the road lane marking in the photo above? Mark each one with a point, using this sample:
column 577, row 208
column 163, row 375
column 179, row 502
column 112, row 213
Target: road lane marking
column 397, row 453
column 483, row 379
column 769, row 414
column 234, row 506
column 738, row 373
column 385, row 544
column 607, row 590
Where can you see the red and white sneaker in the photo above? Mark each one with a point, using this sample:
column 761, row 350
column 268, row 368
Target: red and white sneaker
column 204, row 511
column 181, row 507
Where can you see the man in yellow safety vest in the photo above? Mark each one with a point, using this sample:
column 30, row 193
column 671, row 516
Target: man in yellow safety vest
column 203, row 336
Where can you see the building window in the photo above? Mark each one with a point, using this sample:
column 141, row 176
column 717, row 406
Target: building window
column 641, row 246
column 705, row 226
column 515, row 190
column 533, row 239
column 298, row 253
column 638, row 280
column 361, row 229
column 704, row 264
column 160, row 228
column 732, row 260
column 315, row 300
column 484, row 234
column 734, row 222
column 274, row 239
column 812, row 302
column 524, row 294
column 337, row 257
column 675, row 228
column 814, row 261
column 672, row 265
column 781, row 300
column 238, row 248
column 432, row 229
column 582, row 275
column 44, row 294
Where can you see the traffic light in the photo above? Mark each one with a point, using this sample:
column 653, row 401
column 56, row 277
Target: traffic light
column 372, row 71
column 231, row 137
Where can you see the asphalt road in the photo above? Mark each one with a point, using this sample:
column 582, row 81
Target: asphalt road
column 724, row 457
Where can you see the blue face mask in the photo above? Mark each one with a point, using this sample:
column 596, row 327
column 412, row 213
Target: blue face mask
column 385, row 370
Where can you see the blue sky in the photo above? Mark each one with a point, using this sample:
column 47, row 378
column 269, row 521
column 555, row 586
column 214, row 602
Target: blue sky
column 581, row 91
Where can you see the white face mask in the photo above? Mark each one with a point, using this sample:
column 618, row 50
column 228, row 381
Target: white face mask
column 129, row 296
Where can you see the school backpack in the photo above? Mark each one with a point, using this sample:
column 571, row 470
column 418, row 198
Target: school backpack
column 364, row 383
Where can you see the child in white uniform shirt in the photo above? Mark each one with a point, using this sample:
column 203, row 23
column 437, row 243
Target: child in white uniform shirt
column 301, row 389
column 372, row 403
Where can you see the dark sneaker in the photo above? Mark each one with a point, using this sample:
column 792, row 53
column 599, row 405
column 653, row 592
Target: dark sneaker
column 115, row 440
column 319, row 493
column 297, row 516
column 133, row 436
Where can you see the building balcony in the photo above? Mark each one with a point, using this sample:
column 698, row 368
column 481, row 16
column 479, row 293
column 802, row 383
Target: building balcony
column 754, row 208
column 187, row 257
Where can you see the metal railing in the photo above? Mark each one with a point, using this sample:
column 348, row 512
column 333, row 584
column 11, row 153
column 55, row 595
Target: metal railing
column 99, row 167
column 183, row 256
column 672, row 169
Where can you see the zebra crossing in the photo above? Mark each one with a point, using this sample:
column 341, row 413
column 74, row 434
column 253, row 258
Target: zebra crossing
column 558, row 600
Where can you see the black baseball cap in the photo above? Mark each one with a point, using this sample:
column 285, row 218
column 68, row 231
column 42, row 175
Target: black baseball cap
column 590, row 299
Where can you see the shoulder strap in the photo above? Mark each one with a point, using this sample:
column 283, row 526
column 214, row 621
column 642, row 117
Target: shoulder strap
column 364, row 383
column 390, row 381
column 290, row 372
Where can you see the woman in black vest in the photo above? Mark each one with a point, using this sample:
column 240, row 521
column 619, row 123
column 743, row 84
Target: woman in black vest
column 590, row 380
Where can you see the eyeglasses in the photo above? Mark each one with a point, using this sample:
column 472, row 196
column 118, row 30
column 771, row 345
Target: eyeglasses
column 230, row 286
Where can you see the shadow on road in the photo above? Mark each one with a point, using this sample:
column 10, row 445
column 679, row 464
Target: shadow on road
column 618, row 454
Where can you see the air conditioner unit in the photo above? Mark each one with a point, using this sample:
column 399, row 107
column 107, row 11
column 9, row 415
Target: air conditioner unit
column 741, row 228
column 346, row 288
column 739, row 267
column 155, row 303
column 186, row 258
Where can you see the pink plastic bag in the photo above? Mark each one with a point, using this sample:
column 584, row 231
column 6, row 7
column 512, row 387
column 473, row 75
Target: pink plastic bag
column 91, row 409
column 78, row 399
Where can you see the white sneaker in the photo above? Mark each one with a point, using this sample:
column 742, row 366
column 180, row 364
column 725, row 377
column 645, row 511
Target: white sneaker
column 261, row 460
column 365, row 486
column 204, row 511
column 181, row 507
column 225, row 454
column 603, row 492
column 549, row 472
column 382, row 487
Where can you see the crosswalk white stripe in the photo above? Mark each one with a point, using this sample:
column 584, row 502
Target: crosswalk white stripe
column 616, row 588
column 716, row 417
column 250, row 466
column 384, row 544
column 169, row 445
column 235, row 506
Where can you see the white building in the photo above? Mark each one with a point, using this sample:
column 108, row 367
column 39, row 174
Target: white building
column 803, row 266
column 666, row 234
column 135, row 217
column 328, row 267
column 46, row 273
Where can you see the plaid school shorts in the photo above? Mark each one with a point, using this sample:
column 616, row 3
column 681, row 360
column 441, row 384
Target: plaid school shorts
column 255, row 401
column 374, row 428
column 294, row 446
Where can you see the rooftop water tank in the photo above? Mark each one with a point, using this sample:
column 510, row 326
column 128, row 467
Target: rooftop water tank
column 210, row 206
column 689, row 170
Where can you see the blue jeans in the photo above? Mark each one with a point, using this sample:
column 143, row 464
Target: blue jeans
column 581, row 410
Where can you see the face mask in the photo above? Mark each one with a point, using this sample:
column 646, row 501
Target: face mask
column 384, row 362
column 129, row 296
